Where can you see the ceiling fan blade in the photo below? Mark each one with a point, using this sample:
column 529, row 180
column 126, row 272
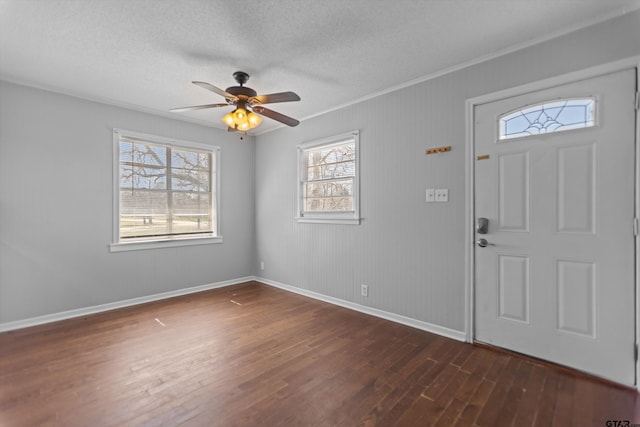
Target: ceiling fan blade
column 289, row 121
column 197, row 107
column 230, row 129
column 217, row 90
column 275, row 97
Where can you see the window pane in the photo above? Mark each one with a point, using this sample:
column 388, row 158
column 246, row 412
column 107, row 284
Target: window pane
column 142, row 177
column 333, row 154
column 188, row 159
column 142, row 153
column 329, row 204
column 165, row 190
column 143, row 213
column 190, row 180
column 548, row 117
column 331, row 162
column 328, row 188
column 332, row 170
column 191, row 213
column 142, row 165
column 329, row 196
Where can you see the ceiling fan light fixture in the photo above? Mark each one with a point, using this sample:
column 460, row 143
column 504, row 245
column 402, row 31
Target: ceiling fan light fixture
column 248, row 104
column 241, row 119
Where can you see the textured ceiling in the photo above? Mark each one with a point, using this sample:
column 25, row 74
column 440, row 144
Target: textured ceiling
column 144, row 53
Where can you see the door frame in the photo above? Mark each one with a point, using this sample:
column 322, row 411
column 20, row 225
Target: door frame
column 470, row 104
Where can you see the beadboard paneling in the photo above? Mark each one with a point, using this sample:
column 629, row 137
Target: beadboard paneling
column 410, row 253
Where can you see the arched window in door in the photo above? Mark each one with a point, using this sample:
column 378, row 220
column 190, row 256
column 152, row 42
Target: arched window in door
column 547, row 117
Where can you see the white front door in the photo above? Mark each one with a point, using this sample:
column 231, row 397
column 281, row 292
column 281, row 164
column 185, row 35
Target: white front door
column 556, row 277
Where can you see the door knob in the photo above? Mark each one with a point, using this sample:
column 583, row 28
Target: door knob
column 482, row 243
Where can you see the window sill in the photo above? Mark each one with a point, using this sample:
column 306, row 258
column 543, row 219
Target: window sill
column 157, row 244
column 348, row 221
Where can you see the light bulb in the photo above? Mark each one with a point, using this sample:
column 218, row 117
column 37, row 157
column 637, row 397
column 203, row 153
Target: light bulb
column 244, row 126
column 254, row 120
column 228, row 120
column 239, row 116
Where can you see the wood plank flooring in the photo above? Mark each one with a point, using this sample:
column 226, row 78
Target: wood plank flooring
column 253, row 355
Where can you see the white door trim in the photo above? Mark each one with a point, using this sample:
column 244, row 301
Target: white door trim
column 470, row 104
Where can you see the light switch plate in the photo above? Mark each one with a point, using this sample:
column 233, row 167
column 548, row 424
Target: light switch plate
column 442, row 195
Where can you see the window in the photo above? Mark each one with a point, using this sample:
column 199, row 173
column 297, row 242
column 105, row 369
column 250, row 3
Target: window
column 328, row 180
column 554, row 116
column 165, row 192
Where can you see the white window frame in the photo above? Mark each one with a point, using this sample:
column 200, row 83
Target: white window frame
column 351, row 217
column 119, row 245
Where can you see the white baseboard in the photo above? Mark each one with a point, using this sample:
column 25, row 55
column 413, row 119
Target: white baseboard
column 418, row 324
column 34, row 321
column 425, row 326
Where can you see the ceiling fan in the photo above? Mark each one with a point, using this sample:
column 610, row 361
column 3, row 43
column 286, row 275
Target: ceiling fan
column 248, row 104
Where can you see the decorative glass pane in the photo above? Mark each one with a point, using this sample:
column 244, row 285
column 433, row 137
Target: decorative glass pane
column 549, row 117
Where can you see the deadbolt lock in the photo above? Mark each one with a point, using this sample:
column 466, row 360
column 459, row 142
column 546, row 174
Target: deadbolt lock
column 482, row 227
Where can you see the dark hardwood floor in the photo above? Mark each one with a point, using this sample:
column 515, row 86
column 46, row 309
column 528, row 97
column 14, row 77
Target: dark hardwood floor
column 253, row 355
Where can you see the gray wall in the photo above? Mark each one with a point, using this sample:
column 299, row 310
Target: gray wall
column 56, row 208
column 411, row 254
column 56, row 195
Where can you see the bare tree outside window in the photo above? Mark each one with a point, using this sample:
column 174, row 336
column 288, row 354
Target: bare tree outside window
column 330, row 173
column 328, row 177
column 165, row 190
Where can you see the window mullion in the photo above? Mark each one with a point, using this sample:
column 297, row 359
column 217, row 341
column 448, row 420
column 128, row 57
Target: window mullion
column 169, row 186
column 337, row 178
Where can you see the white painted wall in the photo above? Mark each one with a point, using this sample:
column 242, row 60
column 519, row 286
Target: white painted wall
column 411, row 254
column 56, row 208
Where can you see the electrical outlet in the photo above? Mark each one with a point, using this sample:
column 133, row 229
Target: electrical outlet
column 261, row 265
column 442, row 195
column 431, row 195
column 364, row 290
